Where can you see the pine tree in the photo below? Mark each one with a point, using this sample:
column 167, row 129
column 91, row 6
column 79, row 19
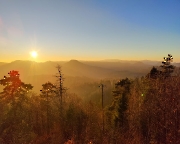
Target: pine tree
column 120, row 102
column 12, row 98
column 47, row 93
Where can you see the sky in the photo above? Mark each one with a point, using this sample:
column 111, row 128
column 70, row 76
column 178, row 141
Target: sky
column 89, row 29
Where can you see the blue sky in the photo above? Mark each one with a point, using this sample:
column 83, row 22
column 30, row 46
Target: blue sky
column 89, row 29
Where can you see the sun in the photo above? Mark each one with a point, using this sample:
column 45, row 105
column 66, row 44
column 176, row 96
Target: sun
column 34, row 54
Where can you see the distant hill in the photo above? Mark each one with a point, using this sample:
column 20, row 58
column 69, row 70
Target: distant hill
column 91, row 69
column 75, row 71
column 176, row 64
column 2, row 63
column 131, row 66
column 152, row 63
column 76, row 68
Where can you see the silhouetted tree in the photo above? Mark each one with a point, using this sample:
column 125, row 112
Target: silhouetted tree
column 154, row 73
column 120, row 103
column 13, row 98
column 168, row 68
column 47, row 93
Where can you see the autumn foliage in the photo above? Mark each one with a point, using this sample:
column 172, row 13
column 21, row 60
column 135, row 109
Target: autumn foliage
column 141, row 111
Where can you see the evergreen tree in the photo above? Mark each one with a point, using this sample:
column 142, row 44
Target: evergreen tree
column 154, row 73
column 120, row 103
column 13, row 98
column 47, row 93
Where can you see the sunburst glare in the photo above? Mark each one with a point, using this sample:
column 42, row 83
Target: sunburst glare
column 33, row 54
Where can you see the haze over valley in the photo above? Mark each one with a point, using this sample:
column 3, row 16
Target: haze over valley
column 75, row 71
column 89, row 72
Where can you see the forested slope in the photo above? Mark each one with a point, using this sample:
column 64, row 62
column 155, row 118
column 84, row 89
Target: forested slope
column 138, row 110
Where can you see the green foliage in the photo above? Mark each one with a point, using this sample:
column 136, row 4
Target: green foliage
column 119, row 105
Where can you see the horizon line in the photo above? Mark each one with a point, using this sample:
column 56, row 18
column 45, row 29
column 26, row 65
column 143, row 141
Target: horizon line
column 102, row 60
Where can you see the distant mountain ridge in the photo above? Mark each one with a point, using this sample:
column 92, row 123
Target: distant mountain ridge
column 38, row 73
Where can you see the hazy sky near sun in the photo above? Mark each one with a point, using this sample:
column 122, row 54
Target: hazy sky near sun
column 89, row 29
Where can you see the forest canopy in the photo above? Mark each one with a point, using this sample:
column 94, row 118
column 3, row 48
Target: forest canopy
column 141, row 110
